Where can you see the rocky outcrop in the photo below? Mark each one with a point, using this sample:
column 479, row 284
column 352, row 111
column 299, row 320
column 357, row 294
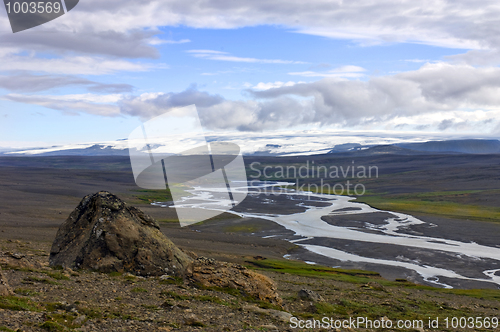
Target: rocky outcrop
column 5, row 289
column 211, row 273
column 105, row 234
column 309, row 295
column 18, row 260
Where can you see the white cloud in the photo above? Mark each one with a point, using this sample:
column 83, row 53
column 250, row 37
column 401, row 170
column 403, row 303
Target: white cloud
column 439, row 96
column 458, row 24
column 158, row 41
column 223, row 56
column 71, row 65
column 103, row 105
column 272, row 85
column 340, row 72
column 26, row 82
column 126, row 28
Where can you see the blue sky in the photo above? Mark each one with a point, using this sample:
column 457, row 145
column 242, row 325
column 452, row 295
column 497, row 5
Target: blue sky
column 97, row 72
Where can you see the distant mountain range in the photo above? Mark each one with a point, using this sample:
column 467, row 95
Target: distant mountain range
column 288, row 144
column 467, row 146
column 475, row 146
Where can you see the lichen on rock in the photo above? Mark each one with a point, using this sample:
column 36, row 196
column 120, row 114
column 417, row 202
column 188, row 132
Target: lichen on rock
column 210, row 273
column 105, row 234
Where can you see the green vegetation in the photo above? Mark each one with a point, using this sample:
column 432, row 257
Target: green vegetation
column 53, row 306
column 361, row 277
column 139, row 290
column 130, row 277
column 446, row 204
column 4, row 328
column 489, row 294
column 18, row 303
column 150, row 196
column 26, row 292
column 56, row 321
column 91, row 313
column 150, row 307
column 308, row 270
column 32, row 279
column 52, row 326
column 175, row 296
column 158, row 195
column 58, row 275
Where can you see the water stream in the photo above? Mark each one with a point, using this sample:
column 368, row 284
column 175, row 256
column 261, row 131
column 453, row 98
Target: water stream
column 308, row 225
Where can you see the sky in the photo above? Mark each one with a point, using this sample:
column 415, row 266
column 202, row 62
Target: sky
column 99, row 71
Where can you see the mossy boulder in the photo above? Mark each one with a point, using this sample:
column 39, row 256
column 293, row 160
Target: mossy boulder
column 105, row 234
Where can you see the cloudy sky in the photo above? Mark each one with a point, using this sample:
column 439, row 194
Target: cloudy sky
column 252, row 66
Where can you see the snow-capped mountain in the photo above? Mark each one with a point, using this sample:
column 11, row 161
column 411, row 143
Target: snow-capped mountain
column 284, row 143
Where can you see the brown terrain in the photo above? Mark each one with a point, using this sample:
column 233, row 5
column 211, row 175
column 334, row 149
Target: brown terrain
column 37, row 196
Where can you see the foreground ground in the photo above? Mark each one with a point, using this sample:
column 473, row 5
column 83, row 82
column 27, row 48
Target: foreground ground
column 48, row 299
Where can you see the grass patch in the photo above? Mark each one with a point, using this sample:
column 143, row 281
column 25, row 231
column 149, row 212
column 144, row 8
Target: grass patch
column 26, row 292
column 53, row 306
column 488, row 294
column 175, row 296
column 129, row 277
column 32, row 279
column 58, row 275
column 65, row 319
column 150, row 196
column 361, row 277
column 214, row 299
column 308, row 270
column 91, row 313
column 5, row 328
column 435, row 203
column 158, row 195
column 52, row 326
column 139, row 290
column 241, row 229
column 18, row 303
column 150, row 307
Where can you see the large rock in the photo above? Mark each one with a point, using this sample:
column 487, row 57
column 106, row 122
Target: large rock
column 210, row 273
column 105, row 234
